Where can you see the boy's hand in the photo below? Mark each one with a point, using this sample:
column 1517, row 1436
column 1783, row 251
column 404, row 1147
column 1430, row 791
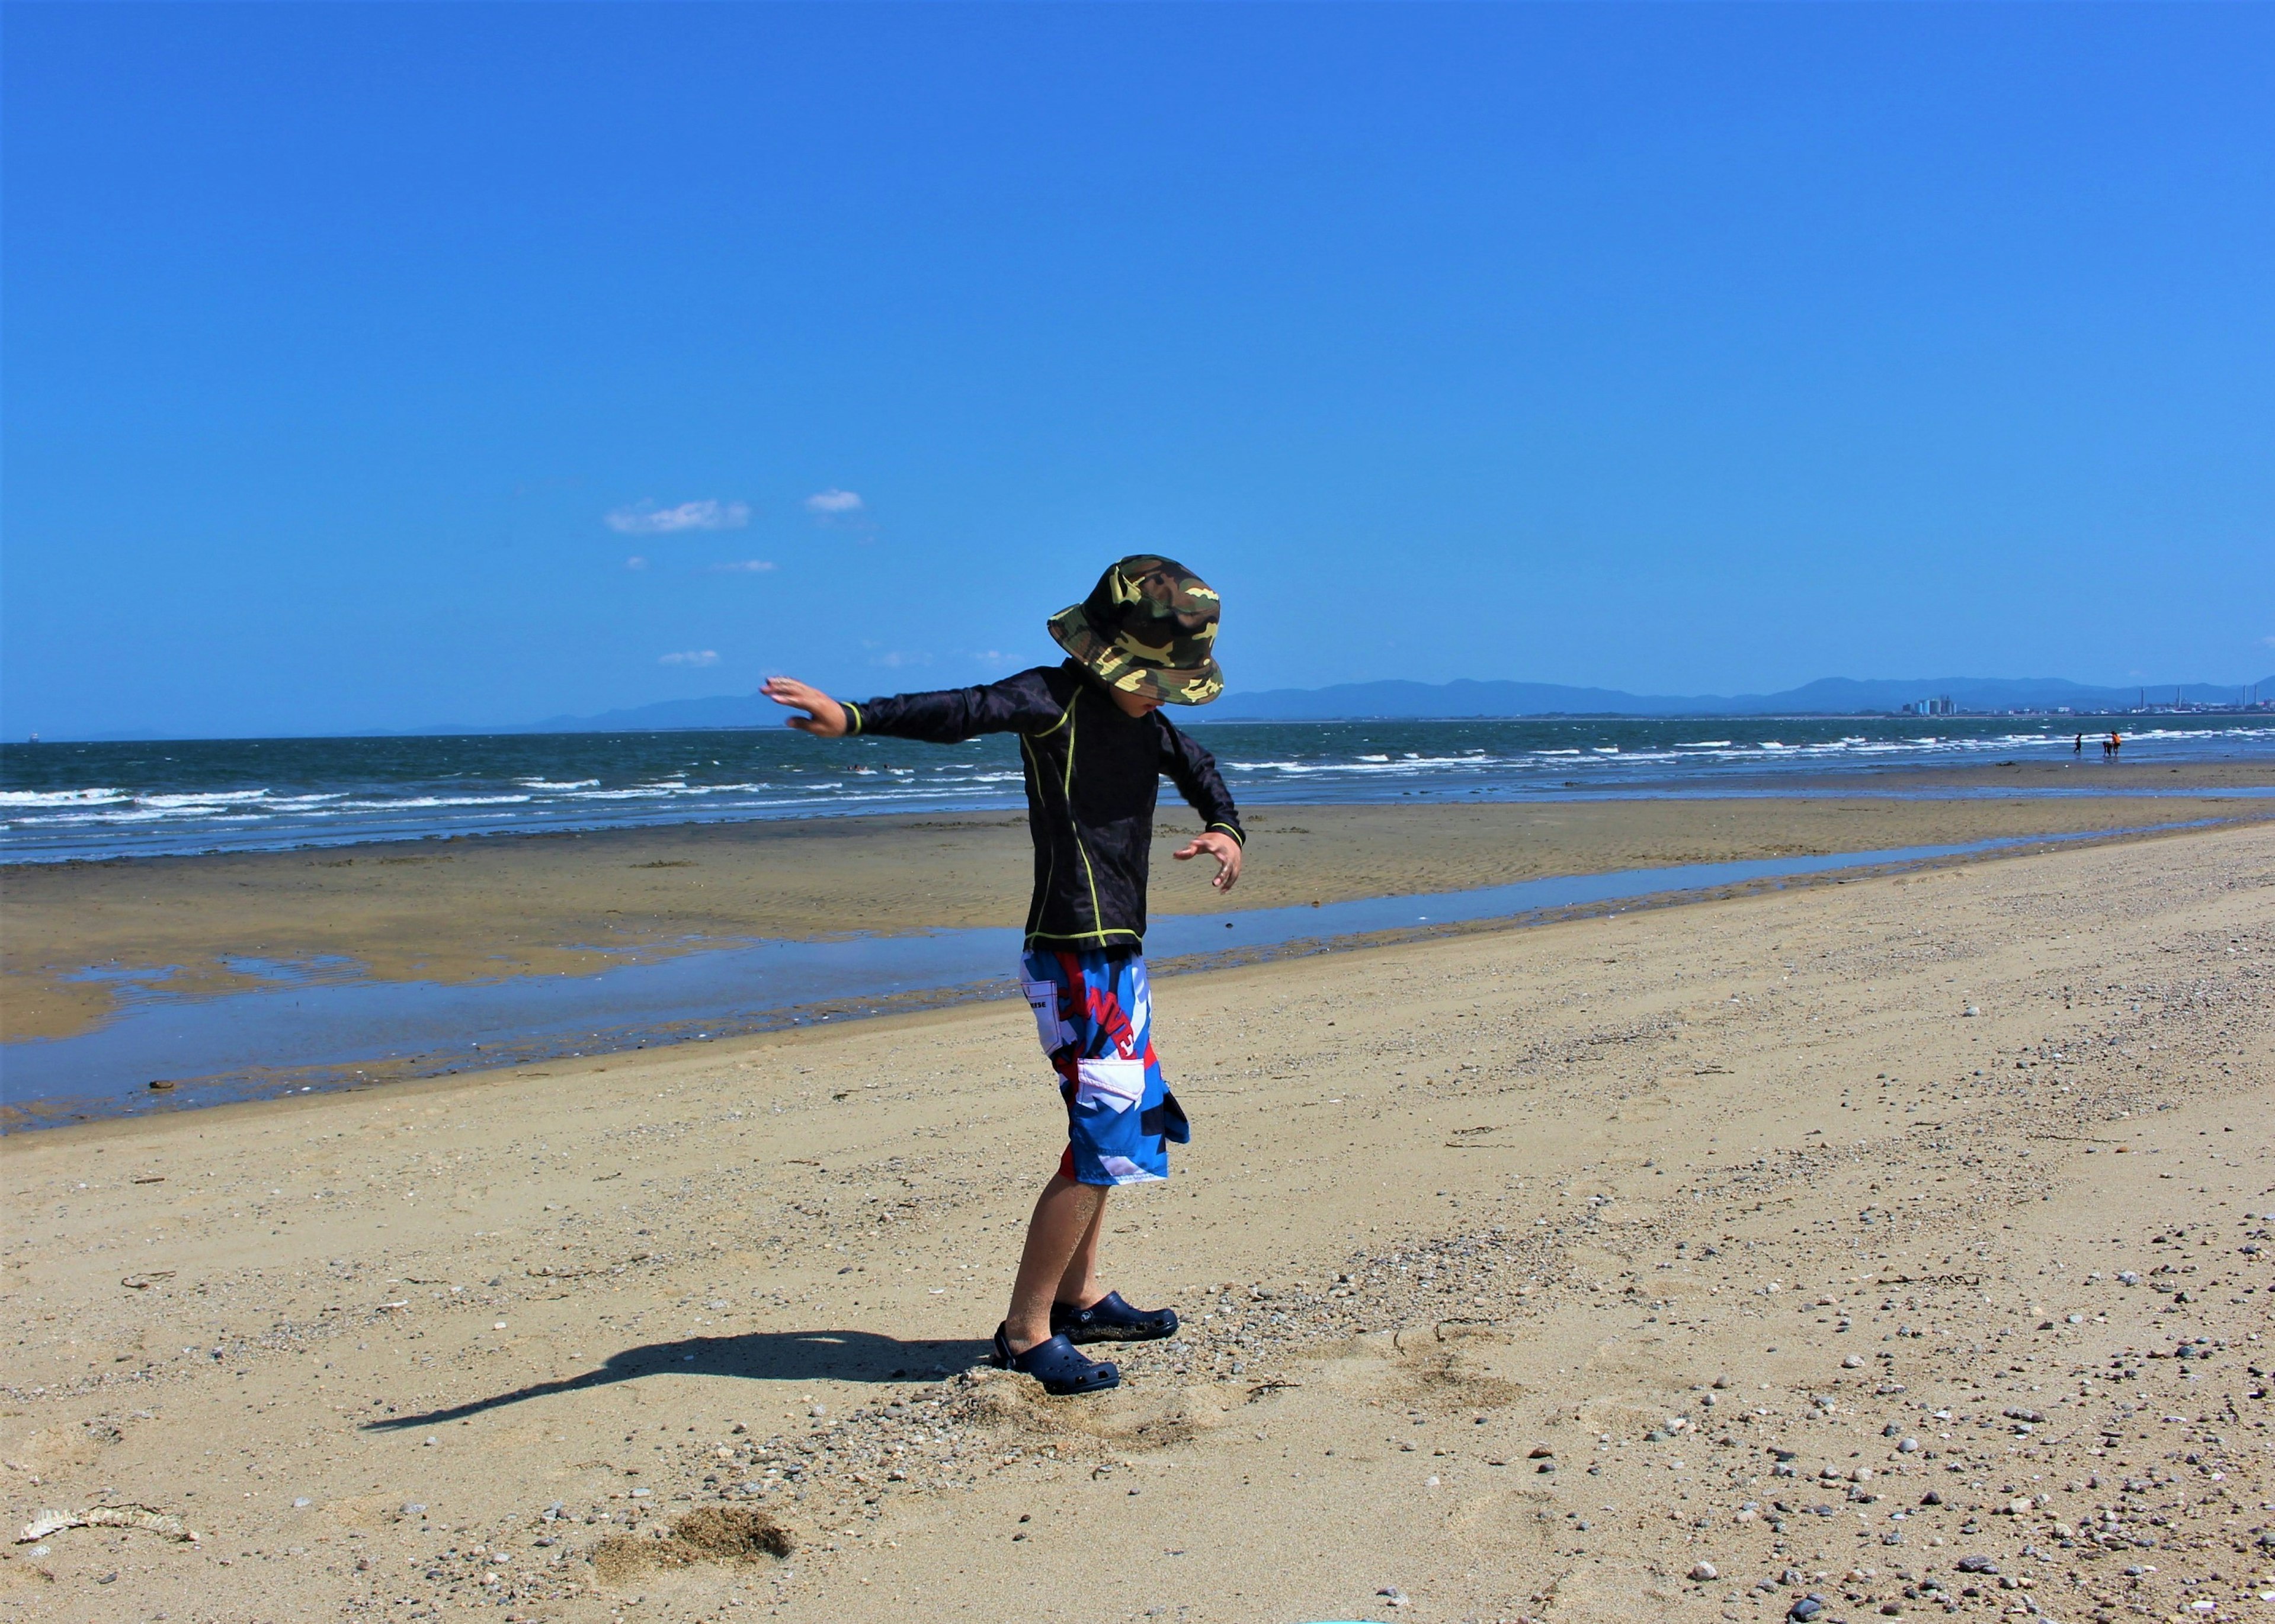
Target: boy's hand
column 824, row 718
column 1223, row 848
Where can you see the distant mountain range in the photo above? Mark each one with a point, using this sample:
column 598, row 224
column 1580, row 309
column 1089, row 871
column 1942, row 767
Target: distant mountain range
column 1832, row 695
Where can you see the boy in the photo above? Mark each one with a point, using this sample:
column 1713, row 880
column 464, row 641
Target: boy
column 1093, row 748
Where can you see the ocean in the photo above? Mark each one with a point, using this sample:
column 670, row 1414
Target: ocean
column 60, row 802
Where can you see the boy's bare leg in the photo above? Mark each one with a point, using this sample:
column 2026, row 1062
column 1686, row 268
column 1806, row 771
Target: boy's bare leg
column 1062, row 1238
column 1078, row 1287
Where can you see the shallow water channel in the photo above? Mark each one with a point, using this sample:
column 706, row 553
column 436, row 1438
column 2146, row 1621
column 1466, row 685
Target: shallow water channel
column 312, row 1029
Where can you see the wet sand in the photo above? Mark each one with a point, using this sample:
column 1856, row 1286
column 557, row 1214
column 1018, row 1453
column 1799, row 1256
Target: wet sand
column 1812, row 1240
column 464, row 909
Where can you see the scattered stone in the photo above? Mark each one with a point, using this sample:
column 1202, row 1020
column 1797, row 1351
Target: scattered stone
column 1807, row 1608
column 1704, row 1570
column 1854, row 1362
column 1976, row 1565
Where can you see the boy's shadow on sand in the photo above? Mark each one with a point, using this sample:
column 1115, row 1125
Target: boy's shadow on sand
column 772, row 1356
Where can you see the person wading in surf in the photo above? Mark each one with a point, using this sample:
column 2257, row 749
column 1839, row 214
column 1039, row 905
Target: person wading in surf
column 1095, row 747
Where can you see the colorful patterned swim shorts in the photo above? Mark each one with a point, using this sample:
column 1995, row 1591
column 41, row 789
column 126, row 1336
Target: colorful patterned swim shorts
column 1094, row 1014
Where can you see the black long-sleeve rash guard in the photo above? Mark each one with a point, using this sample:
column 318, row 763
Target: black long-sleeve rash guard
column 1093, row 772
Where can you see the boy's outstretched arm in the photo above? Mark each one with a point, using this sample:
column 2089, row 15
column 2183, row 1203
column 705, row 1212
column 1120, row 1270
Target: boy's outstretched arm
column 824, row 718
column 1193, row 770
column 1019, row 704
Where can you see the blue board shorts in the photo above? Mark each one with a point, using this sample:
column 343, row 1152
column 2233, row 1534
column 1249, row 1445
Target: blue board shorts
column 1094, row 1014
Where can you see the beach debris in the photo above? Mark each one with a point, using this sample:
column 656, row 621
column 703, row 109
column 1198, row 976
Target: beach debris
column 150, row 1519
column 1394, row 1597
column 161, row 1083
column 143, row 1282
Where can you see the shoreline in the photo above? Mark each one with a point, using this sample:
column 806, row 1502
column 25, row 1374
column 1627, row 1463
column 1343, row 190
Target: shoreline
column 1686, row 886
column 82, row 937
column 1829, row 1178
column 462, row 909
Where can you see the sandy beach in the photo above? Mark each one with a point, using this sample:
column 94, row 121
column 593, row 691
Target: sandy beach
column 1901, row 1241
column 485, row 907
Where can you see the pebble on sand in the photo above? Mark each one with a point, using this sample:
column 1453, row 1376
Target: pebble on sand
column 1704, row 1570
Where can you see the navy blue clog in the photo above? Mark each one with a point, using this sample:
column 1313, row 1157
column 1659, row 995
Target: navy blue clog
column 1110, row 1319
column 1056, row 1365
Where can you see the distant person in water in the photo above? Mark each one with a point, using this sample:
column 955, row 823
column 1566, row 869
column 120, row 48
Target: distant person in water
column 2078, row 748
column 2116, row 745
column 1095, row 747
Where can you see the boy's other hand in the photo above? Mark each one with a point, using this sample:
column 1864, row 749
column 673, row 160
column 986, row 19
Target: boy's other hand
column 824, row 718
column 1223, row 848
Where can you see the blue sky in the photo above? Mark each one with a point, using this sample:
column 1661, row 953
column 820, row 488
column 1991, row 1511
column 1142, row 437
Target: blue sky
column 354, row 354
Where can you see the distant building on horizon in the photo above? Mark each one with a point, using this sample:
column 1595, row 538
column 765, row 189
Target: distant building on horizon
column 1942, row 705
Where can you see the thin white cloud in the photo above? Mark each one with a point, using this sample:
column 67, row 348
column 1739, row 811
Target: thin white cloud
column 743, row 566
column 834, row 500
column 635, row 563
column 645, row 518
column 2267, row 642
column 692, row 656
column 894, row 659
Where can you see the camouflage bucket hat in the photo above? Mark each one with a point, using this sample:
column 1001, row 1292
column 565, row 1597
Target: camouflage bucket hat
column 1146, row 628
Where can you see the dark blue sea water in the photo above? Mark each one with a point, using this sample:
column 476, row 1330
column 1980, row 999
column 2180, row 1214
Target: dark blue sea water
column 60, row 801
